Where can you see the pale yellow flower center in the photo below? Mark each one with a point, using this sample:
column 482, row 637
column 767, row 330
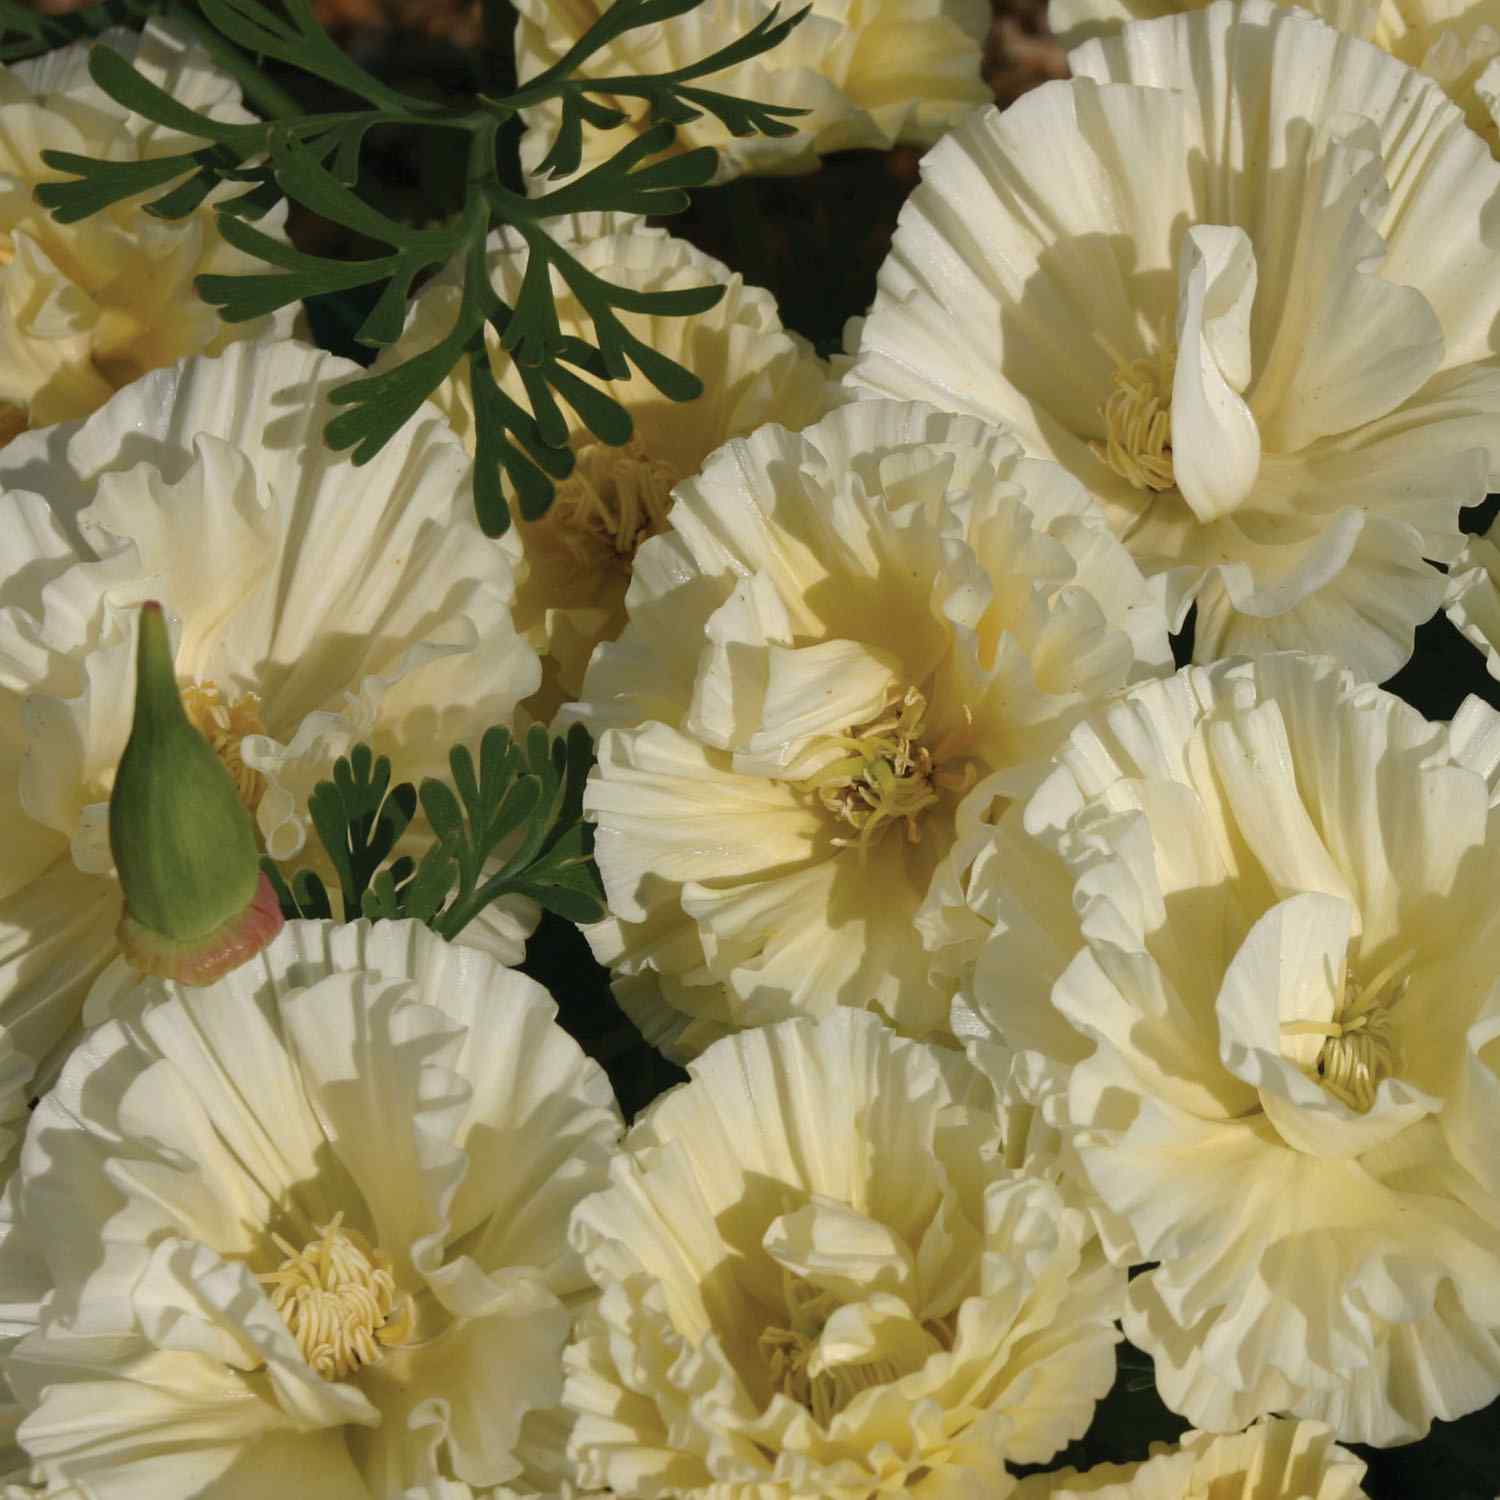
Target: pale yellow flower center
column 1138, row 420
column 224, row 724
column 339, row 1299
column 888, row 775
column 1358, row 1051
column 788, row 1350
column 612, row 501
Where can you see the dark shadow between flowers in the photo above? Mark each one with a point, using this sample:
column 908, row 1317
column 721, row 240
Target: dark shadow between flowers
column 559, row 958
column 1126, row 1422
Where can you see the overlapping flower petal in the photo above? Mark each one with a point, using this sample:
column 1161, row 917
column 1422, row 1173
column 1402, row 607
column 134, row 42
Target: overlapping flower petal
column 871, row 73
column 1238, row 277
column 843, row 631
column 92, row 305
column 1456, row 44
column 315, row 604
column 1275, row 1459
column 1273, row 968
column 401, row 1116
column 575, row 564
column 820, row 1273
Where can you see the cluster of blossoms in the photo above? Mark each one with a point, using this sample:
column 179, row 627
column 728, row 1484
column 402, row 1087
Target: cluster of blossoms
column 1004, row 960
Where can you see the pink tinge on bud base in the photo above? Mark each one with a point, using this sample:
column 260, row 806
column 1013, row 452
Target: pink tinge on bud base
column 202, row 960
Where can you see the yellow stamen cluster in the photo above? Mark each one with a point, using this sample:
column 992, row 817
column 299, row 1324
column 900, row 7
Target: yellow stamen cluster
column 887, row 775
column 612, row 501
column 224, row 725
column 1358, row 1051
column 339, row 1299
column 788, row 1351
column 1138, row 421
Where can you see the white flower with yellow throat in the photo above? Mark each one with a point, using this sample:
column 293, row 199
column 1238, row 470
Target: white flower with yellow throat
column 1250, row 914
column 844, row 629
column 1234, row 277
column 305, row 1227
column 824, row 1268
column 574, row 565
column 315, row 605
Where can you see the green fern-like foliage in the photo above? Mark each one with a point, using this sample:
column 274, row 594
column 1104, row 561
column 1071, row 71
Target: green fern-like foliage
column 511, row 825
column 314, row 160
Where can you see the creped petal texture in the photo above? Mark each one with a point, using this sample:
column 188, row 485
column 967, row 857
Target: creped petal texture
column 1454, row 44
column 819, row 1273
column 1271, row 1460
column 1244, row 918
column 871, row 73
column 207, row 486
column 1473, row 602
column 844, row 630
column 1298, row 475
column 355, row 1081
column 575, row 564
column 93, row 305
column 1215, row 440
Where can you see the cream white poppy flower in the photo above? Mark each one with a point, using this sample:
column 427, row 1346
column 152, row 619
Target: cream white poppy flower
column 91, row 306
column 576, row 561
column 1275, row 1459
column 304, row 1227
column 1256, row 921
column 1237, row 277
column 841, row 632
column 316, row 604
column 1474, row 596
column 870, row 73
column 819, row 1275
column 1455, row 43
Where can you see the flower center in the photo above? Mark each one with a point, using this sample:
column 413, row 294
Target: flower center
column 1358, row 1050
column 612, row 501
column 1138, row 420
column 339, row 1299
column 887, row 775
column 224, row 724
column 790, row 1349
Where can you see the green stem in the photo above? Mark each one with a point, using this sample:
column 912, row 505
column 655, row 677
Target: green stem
column 270, row 98
column 462, row 912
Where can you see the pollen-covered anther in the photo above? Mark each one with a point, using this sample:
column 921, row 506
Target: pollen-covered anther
column 888, row 775
column 339, row 1299
column 1138, row 420
column 1358, row 1052
column 792, row 1357
column 225, row 724
column 615, row 498
column 789, row 1352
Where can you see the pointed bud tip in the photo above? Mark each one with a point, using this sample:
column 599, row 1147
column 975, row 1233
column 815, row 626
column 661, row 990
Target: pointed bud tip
column 200, row 961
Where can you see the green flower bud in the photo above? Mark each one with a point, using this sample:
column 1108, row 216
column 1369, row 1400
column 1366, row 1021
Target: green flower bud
column 197, row 903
